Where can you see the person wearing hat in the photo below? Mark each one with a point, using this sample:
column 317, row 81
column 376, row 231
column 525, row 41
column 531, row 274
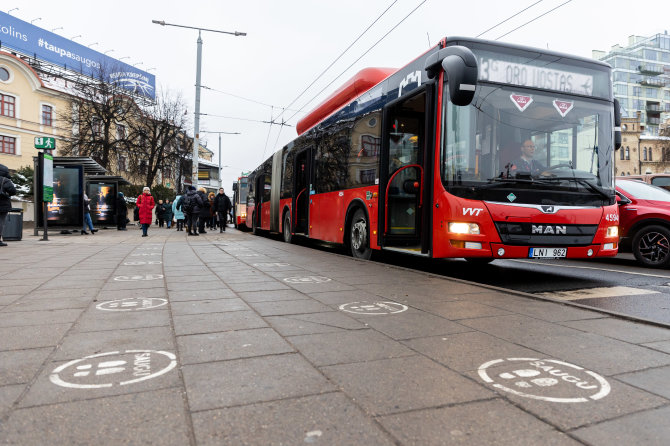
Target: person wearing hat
column 121, row 212
column 7, row 189
column 145, row 203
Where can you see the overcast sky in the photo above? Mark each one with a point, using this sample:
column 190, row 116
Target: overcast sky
column 289, row 43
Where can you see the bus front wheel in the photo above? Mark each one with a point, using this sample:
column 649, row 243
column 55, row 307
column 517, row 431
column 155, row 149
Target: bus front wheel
column 359, row 240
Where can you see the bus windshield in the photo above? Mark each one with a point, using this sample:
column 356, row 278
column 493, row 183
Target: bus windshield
column 528, row 146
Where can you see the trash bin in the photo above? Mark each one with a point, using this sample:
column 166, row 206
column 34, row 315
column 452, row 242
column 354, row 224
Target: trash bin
column 13, row 229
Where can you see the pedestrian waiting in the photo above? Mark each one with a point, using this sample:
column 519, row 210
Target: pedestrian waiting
column 7, row 189
column 191, row 207
column 145, row 204
column 87, row 217
column 121, row 212
column 222, row 206
column 168, row 215
column 177, row 210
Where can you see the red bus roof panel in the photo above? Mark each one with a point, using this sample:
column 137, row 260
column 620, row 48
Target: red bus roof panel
column 354, row 87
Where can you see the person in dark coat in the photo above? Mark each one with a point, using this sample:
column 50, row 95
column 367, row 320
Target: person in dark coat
column 167, row 213
column 160, row 210
column 191, row 207
column 145, row 203
column 204, row 210
column 7, row 189
column 121, row 212
column 222, row 206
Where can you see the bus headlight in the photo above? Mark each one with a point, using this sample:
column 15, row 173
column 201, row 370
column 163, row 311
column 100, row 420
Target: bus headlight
column 612, row 231
column 463, row 228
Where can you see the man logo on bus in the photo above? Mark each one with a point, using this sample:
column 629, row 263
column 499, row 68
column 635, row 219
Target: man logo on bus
column 410, row 79
column 548, row 229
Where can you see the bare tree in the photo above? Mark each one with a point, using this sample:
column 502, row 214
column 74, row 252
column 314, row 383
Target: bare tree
column 98, row 115
column 157, row 144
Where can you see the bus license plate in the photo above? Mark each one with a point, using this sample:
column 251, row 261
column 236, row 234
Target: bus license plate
column 547, row 253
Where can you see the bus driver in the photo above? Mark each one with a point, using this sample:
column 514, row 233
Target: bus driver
column 525, row 164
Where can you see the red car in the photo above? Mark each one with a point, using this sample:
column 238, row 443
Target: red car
column 644, row 221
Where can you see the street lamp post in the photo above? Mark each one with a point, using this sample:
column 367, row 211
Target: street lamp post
column 196, row 119
column 225, row 133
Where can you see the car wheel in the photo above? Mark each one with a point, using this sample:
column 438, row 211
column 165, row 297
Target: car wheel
column 651, row 246
column 359, row 240
column 288, row 237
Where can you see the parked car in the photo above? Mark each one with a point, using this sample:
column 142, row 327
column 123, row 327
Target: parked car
column 657, row 179
column 644, row 221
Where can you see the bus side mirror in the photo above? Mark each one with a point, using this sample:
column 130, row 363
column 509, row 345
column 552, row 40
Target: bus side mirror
column 460, row 66
column 617, row 125
column 621, row 200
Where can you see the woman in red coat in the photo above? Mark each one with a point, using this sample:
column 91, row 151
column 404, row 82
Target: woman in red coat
column 145, row 203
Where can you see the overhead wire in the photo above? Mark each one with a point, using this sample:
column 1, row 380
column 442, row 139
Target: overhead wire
column 340, row 56
column 532, row 20
column 240, row 97
column 359, row 58
column 508, row 18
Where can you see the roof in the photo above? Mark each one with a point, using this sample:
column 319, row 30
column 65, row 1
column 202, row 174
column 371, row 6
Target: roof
column 108, row 178
column 90, row 166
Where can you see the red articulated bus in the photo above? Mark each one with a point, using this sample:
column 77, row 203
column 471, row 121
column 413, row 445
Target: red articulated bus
column 476, row 149
column 240, row 190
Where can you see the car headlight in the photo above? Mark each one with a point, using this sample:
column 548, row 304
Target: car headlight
column 463, row 228
column 612, row 231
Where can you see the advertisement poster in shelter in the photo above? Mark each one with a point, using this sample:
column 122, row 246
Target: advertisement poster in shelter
column 103, row 203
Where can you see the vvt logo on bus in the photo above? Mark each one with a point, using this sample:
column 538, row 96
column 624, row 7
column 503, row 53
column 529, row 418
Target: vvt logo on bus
column 472, row 211
column 549, row 229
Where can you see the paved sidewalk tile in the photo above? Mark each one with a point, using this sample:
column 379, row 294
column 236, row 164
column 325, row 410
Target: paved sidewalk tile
column 20, row 366
column 216, row 322
column 155, row 417
column 15, row 338
column 403, row 384
column 329, row 419
column 253, row 380
column 650, row 428
column 478, row 423
column 208, row 306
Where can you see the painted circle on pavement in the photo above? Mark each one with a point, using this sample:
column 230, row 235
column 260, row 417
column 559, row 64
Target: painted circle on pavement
column 545, row 380
column 132, row 304
column 142, row 262
column 307, row 279
column 113, row 369
column 137, row 277
column 373, row 308
column 143, row 254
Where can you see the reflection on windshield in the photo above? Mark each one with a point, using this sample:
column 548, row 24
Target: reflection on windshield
column 643, row 191
column 514, row 135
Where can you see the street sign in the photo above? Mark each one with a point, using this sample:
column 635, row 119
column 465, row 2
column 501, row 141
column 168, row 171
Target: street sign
column 48, row 179
column 45, row 143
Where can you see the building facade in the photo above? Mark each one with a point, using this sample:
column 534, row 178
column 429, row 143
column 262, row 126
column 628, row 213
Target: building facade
column 641, row 78
column 641, row 153
column 28, row 109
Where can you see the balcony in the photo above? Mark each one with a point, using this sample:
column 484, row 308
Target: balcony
column 650, row 69
column 648, row 82
column 653, row 107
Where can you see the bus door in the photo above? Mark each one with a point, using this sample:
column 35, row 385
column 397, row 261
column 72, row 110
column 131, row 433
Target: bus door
column 301, row 194
column 403, row 175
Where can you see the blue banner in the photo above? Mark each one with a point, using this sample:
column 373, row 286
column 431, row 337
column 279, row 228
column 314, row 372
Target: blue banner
column 32, row 40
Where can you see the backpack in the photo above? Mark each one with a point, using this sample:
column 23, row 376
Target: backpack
column 179, row 205
column 188, row 205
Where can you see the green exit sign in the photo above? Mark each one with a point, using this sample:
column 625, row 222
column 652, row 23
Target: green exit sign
column 45, row 143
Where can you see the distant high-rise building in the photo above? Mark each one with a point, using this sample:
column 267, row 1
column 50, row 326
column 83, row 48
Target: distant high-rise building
column 641, row 78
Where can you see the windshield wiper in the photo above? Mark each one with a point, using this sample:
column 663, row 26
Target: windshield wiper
column 499, row 182
column 590, row 186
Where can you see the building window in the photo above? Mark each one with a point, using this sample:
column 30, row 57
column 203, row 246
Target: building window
column 627, row 153
column 370, row 145
column 621, row 153
column 8, row 105
column 120, row 131
column 644, row 154
column 143, row 166
column 123, row 163
column 650, row 157
column 47, row 115
column 4, row 74
column 96, row 127
column 7, row 145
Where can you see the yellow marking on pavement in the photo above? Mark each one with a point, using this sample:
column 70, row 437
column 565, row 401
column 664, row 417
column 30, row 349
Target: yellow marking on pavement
column 597, row 293
column 589, row 267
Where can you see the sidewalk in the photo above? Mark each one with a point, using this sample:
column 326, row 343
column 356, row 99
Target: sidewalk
column 236, row 339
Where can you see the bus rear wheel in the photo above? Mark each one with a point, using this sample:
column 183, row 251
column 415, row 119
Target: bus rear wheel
column 286, row 230
column 359, row 240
